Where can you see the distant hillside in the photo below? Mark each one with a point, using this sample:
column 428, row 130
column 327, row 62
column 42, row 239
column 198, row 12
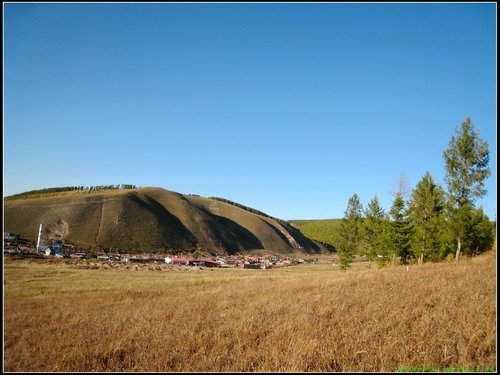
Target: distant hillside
column 152, row 219
column 318, row 230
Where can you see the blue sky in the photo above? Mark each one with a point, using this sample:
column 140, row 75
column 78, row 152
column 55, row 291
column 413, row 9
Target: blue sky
column 289, row 108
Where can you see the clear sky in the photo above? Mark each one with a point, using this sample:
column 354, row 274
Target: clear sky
column 289, row 108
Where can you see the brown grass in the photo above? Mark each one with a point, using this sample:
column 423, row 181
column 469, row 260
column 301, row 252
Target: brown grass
column 306, row 318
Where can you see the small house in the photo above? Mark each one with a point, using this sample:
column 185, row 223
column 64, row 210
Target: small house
column 182, row 261
column 254, row 266
column 205, row 262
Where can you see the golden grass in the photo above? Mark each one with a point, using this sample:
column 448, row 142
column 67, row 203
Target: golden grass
column 305, row 318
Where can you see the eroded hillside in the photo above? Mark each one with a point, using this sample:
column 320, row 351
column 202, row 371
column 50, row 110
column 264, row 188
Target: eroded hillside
column 152, row 219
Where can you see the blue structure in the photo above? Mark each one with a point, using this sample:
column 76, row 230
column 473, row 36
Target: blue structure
column 57, row 252
column 55, row 249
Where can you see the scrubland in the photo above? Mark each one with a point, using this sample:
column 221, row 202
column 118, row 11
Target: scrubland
column 304, row 318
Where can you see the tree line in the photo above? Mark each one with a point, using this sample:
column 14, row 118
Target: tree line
column 433, row 223
column 55, row 190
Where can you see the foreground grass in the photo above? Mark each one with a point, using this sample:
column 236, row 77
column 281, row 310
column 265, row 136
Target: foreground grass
column 297, row 319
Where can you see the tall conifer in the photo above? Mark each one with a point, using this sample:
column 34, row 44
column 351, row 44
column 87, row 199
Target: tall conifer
column 467, row 168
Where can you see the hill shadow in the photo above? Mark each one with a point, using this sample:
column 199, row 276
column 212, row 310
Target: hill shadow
column 167, row 220
column 233, row 236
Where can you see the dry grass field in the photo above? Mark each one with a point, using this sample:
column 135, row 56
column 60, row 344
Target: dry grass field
column 304, row 318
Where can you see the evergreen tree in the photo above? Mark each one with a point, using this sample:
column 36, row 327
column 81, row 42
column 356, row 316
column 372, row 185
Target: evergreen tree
column 426, row 212
column 467, row 159
column 480, row 233
column 350, row 234
column 399, row 241
column 374, row 230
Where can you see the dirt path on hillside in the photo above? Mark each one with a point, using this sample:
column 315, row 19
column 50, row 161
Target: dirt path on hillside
column 100, row 224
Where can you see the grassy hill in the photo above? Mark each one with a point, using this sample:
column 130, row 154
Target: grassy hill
column 151, row 219
column 318, row 230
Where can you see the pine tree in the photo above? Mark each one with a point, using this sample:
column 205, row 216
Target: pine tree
column 374, row 230
column 426, row 210
column 400, row 231
column 467, row 160
column 480, row 233
column 350, row 234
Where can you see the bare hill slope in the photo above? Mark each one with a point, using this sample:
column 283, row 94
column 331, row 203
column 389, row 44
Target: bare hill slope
column 152, row 219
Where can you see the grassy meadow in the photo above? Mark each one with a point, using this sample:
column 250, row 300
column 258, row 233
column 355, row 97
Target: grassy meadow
column 60, row 316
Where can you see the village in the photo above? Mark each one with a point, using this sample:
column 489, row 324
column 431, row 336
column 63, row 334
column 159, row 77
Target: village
column 14, row 245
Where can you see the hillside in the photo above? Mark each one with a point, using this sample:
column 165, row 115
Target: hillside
column 152, row 219
column 322, row 230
